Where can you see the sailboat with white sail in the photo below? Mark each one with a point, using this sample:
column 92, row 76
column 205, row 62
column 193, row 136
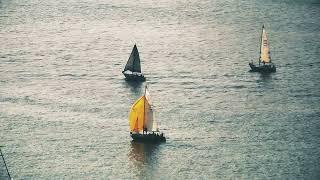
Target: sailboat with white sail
column 265, row 65
column 132, row 70
column 143, row 124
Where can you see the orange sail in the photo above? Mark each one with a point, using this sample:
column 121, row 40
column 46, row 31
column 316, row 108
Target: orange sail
column 137, row 115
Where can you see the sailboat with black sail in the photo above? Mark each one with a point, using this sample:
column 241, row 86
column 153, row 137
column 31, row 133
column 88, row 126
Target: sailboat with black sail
column 143, row 124
column 265, row 65
column 132, row 70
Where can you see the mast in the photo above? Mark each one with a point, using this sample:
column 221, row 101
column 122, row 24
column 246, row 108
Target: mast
column 5, row 164
column 144, row 108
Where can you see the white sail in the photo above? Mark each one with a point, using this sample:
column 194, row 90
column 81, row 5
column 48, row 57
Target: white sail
column 151, row 123
column 149, row 117
column 155, row 123
column 264, row 49
column 148, row 96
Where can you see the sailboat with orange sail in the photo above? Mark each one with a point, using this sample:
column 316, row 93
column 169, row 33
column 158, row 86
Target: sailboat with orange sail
column 143, row 124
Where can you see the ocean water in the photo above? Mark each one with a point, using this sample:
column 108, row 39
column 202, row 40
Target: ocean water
column 64, row 103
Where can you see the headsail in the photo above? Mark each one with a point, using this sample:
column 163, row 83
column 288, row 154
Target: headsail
column 136, row 116
column 264, row 48
column 133, row 63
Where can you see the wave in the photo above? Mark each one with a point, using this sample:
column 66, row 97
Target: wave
column 72, row 75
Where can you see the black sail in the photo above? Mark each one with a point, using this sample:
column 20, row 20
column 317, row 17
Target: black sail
column 133, row 63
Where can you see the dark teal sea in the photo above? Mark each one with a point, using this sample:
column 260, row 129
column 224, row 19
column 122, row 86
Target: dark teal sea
column 64, row 103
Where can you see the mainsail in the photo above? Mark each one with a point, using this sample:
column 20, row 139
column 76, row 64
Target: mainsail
column 151, row 122
column 133, row 63
column 142, row 115
column 264, row 48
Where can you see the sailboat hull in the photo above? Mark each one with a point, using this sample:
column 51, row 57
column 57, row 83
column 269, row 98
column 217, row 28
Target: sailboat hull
column 266, row 68
column 134, row 77
column 151, row 138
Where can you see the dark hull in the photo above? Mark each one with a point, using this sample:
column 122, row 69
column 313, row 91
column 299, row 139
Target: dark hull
column 133, row 77
column 269, row 68
column 150, row 138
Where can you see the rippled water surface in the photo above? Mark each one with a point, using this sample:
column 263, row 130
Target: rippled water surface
column 64, row 103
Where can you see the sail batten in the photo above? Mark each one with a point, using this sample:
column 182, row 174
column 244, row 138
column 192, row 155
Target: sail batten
column 133, row 63
column 264, row 48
